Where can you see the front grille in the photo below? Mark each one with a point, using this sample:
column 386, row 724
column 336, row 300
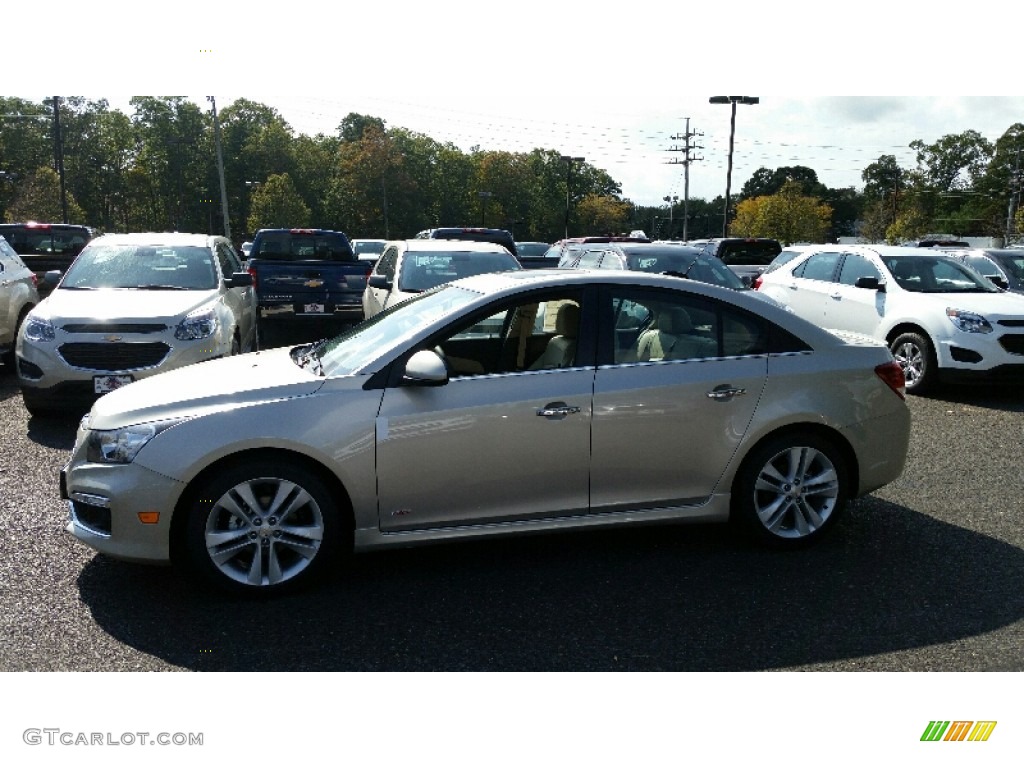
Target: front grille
column 115, row 328
column 1012, row 343
column 1011, row 323
column 118, row 356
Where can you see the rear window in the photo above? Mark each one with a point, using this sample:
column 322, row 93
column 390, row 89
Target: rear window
column 424, row 270
column 301, row 246
column 477, row 235
column 45, row 239
column 754, row 252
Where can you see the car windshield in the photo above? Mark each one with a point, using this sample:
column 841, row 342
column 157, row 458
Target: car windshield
column 687, row 262
column 179, row 267
column 365, row 342
column 923, row 274
column 427, row 269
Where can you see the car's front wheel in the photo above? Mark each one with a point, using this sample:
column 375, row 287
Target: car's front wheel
column 791, row 489
column 916, row 356
column 263, row 527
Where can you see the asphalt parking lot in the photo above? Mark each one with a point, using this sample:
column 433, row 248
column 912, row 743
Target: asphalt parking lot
column 924, row 575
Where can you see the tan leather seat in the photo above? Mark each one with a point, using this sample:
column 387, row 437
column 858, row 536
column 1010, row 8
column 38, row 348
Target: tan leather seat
column 660, row 340
column 561, row 349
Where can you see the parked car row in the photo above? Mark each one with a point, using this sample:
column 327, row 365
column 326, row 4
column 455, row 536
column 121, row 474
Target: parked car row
column 939, row 315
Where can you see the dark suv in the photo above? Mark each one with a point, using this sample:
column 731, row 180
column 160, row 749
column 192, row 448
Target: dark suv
column 46, row 247
column 477, row 234
column 748, row 257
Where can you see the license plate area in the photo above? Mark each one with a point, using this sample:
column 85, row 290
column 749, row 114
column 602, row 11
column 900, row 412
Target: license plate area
column 103, row 384
column 314, row 309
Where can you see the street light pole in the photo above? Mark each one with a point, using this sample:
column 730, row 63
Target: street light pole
column 568, row 186
column 734, row 100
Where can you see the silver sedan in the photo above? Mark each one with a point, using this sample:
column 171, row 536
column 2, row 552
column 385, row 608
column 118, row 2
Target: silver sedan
column 510, row 403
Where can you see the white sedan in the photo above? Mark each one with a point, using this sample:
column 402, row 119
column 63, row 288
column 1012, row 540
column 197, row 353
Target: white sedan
column 938, row 317
column 508, row 403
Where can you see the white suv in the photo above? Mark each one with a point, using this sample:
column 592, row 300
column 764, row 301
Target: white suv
column 935, row 314
column 131, row 306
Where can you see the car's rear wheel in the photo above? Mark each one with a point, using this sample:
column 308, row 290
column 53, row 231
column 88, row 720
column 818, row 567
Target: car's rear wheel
column 263, row 527
column 791, row 490
column 916, row 356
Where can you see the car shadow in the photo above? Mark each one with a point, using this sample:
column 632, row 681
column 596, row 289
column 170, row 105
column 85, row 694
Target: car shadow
column 678, row 598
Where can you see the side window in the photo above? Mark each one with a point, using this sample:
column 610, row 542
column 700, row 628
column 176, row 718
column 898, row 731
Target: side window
column 670, row 326
column 820, row 266
column 985, row 266
column 386, row 264
column 535, row 334
column 855, row 267
column 229, row 263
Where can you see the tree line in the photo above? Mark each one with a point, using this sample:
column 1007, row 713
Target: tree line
column 156, row 169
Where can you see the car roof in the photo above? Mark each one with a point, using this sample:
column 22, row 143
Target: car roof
column 431, row 244
column 154, row 238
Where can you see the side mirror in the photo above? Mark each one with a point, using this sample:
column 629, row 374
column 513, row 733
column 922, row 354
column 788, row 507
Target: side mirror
column 380, row 281
column 239, row 280
column 999, row 280
column 426, row 368
column 51, row 278
column 871, row 283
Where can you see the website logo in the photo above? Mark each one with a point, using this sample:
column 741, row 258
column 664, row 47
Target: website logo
column 959, row 730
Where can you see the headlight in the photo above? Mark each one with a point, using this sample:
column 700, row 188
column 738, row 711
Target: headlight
column 38, row 330
column 200, row 324
column 968, row 322
column 121, row 446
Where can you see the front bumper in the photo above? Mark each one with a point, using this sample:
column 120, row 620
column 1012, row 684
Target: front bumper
column 104, row 504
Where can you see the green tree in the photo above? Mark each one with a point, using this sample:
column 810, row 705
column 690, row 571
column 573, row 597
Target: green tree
column 276, row 203
column 38, row 199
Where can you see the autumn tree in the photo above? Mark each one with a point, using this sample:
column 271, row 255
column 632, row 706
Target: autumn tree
column 789, row 216
column 602, row 213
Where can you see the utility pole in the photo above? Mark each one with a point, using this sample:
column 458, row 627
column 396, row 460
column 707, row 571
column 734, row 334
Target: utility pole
column 58, row 157
column 220, row 170
column 685, row 162
column 1015, row 184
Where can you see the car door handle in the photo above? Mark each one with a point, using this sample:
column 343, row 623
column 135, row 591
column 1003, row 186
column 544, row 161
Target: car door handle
column 836, row 295
column 725, row 392
column 557, row 410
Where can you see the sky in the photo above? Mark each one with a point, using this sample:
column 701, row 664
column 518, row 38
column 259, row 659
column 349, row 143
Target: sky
column 620, row 88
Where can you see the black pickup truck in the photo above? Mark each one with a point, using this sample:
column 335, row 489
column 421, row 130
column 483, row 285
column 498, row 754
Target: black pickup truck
column 307, row 272
column 46, row 247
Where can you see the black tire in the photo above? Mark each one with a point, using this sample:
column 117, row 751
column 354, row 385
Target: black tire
column 8, row 357
column 39, row 407
column 263, row 527
column 791, row 490
column 916, row 356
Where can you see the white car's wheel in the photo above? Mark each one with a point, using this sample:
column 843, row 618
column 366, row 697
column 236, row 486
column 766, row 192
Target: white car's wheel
column 916, row 356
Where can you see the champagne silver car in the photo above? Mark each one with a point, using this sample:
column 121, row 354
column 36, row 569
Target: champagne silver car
column 498, row 404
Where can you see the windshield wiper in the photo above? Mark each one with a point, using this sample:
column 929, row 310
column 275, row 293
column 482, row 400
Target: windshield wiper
column 154, row 287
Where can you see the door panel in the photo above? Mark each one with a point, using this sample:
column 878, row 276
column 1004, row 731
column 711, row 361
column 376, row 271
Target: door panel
column 477, row 451
column 659, row 438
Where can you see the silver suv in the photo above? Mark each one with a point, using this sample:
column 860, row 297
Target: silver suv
column 17, row 297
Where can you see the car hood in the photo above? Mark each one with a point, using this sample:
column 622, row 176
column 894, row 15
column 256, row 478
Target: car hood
column 122, row 305
column 204, row 388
